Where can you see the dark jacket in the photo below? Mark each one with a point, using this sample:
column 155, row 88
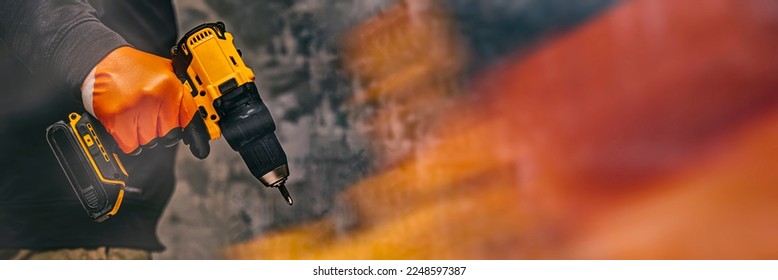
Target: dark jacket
column 46, row 50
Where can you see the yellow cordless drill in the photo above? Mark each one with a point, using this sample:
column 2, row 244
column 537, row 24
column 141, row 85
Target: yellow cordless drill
column 210, row 67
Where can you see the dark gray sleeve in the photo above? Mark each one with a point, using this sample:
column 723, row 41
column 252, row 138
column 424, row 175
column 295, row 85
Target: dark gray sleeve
column 61, row 40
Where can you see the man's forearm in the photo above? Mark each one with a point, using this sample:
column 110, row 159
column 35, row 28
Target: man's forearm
column 61, row 39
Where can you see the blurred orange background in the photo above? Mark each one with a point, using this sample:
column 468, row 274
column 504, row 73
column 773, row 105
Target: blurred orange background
column 649, row 131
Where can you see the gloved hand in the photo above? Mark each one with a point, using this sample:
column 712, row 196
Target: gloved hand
column 137, row 98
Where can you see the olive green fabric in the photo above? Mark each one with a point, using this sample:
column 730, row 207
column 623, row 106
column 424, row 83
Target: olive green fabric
column 99, row 253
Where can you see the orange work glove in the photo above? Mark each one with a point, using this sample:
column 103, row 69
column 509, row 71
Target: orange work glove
column 137, row 98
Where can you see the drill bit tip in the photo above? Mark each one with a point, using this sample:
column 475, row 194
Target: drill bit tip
column 285, row 194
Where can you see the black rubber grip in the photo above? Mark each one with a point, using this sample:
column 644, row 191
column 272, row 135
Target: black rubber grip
column 195, row 135
column 263, row 155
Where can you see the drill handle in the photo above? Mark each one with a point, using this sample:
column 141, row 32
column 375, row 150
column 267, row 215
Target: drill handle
column 195, row 135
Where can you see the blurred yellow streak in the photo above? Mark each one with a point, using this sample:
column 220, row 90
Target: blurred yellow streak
column 476, row 222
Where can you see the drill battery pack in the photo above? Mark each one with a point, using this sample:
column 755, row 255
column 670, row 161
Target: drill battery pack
column 83, row 150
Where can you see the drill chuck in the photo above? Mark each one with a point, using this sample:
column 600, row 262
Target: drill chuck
column 249, row 128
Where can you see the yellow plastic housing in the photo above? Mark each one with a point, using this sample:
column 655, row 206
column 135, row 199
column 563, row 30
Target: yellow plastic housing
column 89, row 140
column 215, row 60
